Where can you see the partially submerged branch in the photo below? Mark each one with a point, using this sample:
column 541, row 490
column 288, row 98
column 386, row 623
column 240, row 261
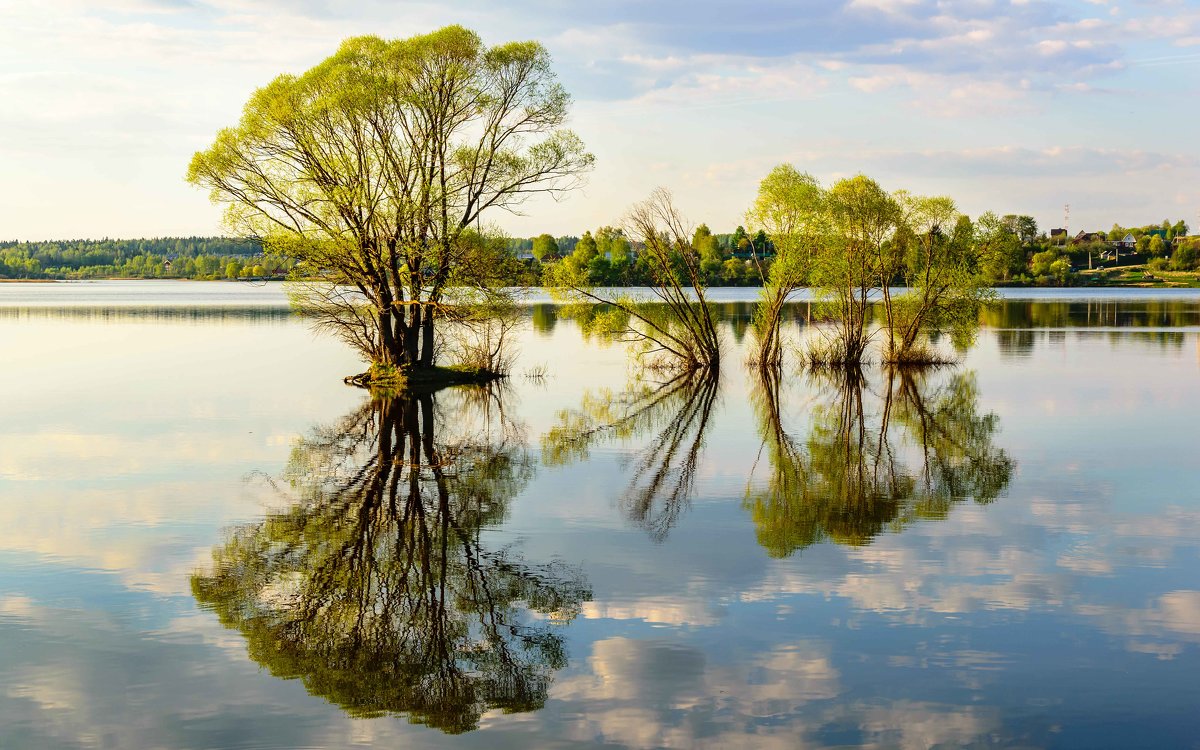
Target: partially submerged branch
column 678, row 328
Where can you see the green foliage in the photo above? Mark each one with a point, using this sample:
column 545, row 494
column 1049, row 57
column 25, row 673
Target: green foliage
column 332, row 170
column 790, row 209
column 850, row 263
column 1185, row 257
column 544, row 246
column 940, row 265
column 162, row 257
column 848, row 480
column 1050, row 267
column 1002, row 254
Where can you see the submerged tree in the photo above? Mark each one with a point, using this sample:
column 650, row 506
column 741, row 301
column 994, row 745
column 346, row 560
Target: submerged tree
column 678, row 329
column 374, row 585
column 936, row 258
column 853, row 242
column 372, row 168
column 676, row 415
column 872, row 462
column 849, row 264
column 790, row 209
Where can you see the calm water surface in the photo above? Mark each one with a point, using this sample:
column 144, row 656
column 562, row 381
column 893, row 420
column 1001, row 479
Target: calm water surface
column 207, row 541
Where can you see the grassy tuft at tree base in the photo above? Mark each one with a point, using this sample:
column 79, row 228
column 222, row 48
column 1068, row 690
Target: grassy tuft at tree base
column 389, row 379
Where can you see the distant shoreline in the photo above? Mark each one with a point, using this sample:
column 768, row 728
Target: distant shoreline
column 1158, row 283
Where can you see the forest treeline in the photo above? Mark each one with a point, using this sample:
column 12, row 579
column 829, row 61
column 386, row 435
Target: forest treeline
column 1021, row 255
column 1016, row 251
column 153, row 258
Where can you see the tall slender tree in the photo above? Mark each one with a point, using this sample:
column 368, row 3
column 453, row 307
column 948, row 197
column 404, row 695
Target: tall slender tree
column 789, row 208
column 847, row 269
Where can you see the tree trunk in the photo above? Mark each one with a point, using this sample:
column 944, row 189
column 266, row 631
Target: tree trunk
column 427, row 339
column 411, row 340
column 391, row 351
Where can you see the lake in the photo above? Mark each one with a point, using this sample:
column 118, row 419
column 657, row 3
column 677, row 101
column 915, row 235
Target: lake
column 208, row 541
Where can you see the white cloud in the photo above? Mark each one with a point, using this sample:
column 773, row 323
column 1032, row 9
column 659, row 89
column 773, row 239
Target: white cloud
column 104, row 107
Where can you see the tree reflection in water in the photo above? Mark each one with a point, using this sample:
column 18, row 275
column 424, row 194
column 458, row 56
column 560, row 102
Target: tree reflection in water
column 872, row 461
column 676, row 413
column 374, row 584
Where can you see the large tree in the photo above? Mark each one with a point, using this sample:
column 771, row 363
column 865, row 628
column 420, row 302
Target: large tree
column 374, row 168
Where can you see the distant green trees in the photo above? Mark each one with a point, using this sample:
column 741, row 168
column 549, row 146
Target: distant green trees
column 1185, row 257
column 160, row 257
column 544, row 246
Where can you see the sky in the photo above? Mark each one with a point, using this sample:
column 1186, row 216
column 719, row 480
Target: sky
column 1015, row 106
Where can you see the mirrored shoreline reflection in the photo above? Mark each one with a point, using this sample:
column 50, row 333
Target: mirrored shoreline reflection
column 372, row 582
column 999, row 554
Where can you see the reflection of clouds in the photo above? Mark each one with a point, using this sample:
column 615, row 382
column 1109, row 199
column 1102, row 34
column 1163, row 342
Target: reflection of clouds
column 653, row 693
column 87, row 681
column 1162, row 651
column 152, row 537
column 66, row 456
column 1175, row 613
column 50, row 690
column 1087, row 559
column 1000, row 565
column 913, row 725
column 17, row 606
column 1180, row 611
column 906, row 581
column 201, row 627
column 663, row 610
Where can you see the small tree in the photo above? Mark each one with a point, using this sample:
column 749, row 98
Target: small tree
column 544, row 246
column 679, row 330
column 790, row 209
column 848, row 265
column 1000, row 252
column 940, row 268
column 1184, row 258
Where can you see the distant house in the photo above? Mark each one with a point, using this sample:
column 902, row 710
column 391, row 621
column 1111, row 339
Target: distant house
column 1058, row 234
column 167, row 264
column 630, row 255
column 1128, row 242
column 1085, row 237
